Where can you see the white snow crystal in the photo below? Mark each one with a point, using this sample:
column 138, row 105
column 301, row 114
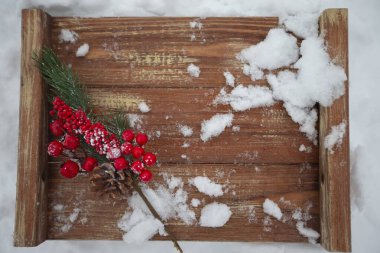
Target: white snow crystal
column 303, row 25
column 243, row 98
column 206, row 186
column 139, row 226
column 279, row 49
column 172, row 182
column 82, row 50
column 215, row 126
column 186, row 131
column 272, row 208
column 317, row 80
column 215, row 215
column 143, row 107
column 169, row 203
column 186, row 145
column 135, row 121
column 305, row 149
column 195, row 202
column 230, row 79
column 335, row 137
column 309, row 233
column 67, row 36
column 74, row 215
column 58, row 207
column 193, row 70
column 196, row 24
column 235, row 128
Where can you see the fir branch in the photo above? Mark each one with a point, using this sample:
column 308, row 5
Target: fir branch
column 90, row 151
column 62, row 80
column 115, row 122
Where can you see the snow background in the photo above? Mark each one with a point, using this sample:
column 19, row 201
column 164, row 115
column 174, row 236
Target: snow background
column 364, row 73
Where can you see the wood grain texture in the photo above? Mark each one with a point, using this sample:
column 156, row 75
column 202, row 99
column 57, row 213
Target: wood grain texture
column 248, row 186
column 335, row 168
column 31, row 199
column 145, row 59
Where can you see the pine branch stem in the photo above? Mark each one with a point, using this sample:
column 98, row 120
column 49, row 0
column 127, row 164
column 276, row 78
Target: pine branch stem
column 137, row 188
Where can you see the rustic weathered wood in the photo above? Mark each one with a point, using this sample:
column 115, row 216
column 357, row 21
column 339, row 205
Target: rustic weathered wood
column 335, row 168
column 248, row 187
column 31, row 199
column 145, row 59
column 122, row 69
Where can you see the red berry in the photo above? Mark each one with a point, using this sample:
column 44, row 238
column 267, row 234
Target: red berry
column 128, row 135
column 145, row 176
column 137, row 167
column 149, row 159
column 141, row 139
column 69, row 169
column 89, row 163
column 55, row 148
column 137, row 152
column 126, row 148
column 113, row 153
column 120, row 163
column 71, row 142
column 56, row 128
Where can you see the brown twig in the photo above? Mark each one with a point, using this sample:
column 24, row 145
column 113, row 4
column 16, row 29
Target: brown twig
column 137, row 188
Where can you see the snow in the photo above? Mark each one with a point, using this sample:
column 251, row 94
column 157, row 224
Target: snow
column 186, row 131
column 335, row 137
column 230, row 79
column 272, row 208
column 215, row 126
column 186, row 145
column 135, row 121
column 139, row 226
column 68, row 36
column 193, row 70
column 206, row 186
column 170, row 203
column 303, row 25
column 215, row 215
column 235, row 128
column 364, row 41
column 244, row 98
column 195, row 202
column 196, row 24
column 306, row 149
column 65, row 221
column 311, row 234
column 143, row 107
column 317, row 80
column 279, row 49
column 82, row 50
column 74, row 215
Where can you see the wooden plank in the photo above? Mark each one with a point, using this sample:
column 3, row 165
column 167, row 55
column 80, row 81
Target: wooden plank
column 248, row 186
column 335, row 168
column 31, row 198
column 267, row 135
column 121, row 45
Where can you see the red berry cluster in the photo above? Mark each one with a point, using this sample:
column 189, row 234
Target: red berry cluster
column 141, row 159
column 72, row 123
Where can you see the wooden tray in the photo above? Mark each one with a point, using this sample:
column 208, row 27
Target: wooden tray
column 146, row 58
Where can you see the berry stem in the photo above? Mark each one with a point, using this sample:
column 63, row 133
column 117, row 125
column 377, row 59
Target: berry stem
column 137, row 188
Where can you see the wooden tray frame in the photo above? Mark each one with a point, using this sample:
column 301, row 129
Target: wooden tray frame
column 31, row 200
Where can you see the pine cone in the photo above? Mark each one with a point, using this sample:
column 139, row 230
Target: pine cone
column 105, row 180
